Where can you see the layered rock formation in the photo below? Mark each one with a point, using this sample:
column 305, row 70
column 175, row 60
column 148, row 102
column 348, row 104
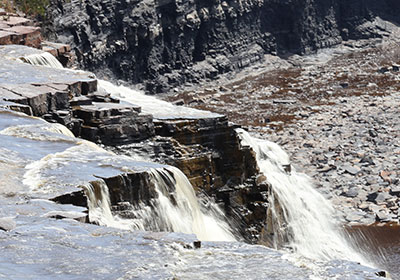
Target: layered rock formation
column 205, row 146
column 169, row 43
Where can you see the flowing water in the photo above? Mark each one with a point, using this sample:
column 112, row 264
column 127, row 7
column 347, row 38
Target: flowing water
column 308, row 218
column 176, row 209
column 42, row 59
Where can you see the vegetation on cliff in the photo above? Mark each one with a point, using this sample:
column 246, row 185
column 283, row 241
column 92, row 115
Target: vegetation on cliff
column 29, row 7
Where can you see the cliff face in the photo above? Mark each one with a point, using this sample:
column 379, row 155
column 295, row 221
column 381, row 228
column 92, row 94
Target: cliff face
column 165, row 43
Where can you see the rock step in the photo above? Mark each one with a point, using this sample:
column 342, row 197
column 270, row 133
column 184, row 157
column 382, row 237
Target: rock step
column 19, row 31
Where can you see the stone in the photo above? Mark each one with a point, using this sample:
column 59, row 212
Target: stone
column 78, row 216
column 352, row 192
column 378, row 197
column 372, row 133
column 355, row 216
column 385, row 175
column 80, row 100
column 383, row 70
column 197, row 244
column 179, row 102
column 367, row 160
column 395, row 190
column 382, row 216
column 7, row 224
column 351, row 169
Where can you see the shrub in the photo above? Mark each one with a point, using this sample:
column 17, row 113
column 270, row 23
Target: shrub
column 30, row 7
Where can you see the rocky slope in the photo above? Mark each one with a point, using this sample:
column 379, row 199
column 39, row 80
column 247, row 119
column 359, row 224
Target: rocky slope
column 164, row 44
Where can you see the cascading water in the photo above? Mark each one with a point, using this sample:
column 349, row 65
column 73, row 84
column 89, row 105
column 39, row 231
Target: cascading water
column 182, row 212
column 176, row 208
column 99, row 205
column 308, row 224
column 42, row 59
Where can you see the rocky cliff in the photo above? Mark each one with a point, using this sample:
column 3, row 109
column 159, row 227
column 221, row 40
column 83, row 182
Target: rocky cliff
column 166, row 43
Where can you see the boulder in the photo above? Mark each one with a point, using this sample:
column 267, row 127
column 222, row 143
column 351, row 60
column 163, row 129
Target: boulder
column 7, row 224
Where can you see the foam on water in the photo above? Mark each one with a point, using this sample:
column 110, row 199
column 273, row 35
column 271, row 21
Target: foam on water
column 158, row 108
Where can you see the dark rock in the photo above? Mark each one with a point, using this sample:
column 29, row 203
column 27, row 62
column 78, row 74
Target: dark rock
column 75, row 198
column 78, row 216
column 166, row 45
column 64, row 117
column 283, row 101
column 179, row 102
column 383, row 274
column 113, row 124
column 367, row 160
column 383, row 70
column 197, row 244
column 378, row 197
column 372, row 133
column 395, row 190
column 287, row 168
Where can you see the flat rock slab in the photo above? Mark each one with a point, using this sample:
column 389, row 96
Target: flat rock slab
column 23, row 30
column 60, row 48
column 19, row 30
column 5, row 37
column 14, row 21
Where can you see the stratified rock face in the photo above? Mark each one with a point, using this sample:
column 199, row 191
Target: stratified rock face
column 166, row 43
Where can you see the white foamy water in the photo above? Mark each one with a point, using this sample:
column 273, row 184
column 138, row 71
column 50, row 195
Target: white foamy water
column 312, row 230
column 98, row 199
column 42, row 59
column 151, row 105
column 175, row 208
column 182, row 212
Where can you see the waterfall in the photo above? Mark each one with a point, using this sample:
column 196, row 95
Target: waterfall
column 175, row 208
column 308, row 223
column 180, row 211
column 42, row 59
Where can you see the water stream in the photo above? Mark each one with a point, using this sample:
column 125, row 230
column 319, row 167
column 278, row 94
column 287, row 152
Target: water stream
column 42, row 59
column 308, row 222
